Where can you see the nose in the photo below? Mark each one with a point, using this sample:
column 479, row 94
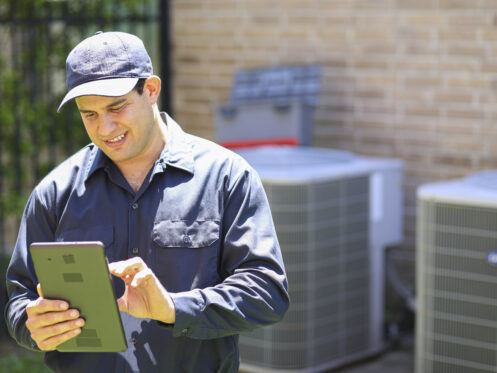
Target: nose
column 106, row 126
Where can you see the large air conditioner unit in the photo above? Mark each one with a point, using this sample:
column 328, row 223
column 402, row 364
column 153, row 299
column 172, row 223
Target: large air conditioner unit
column 334, row 213
column 456, row 274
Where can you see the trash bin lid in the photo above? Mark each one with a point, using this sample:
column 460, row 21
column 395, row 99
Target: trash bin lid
column 277, row 83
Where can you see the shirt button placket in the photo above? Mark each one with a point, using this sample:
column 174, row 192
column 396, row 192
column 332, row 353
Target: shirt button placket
column 132, row 229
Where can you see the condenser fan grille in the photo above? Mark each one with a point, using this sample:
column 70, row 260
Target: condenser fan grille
column 457, row 287
column 323, row 229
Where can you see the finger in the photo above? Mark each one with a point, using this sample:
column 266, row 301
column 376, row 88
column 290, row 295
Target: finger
column 122, row 305
column 50, row 318
column 39, row 291
column 142, row 278
column 42, row 305
column 127, row 267
column 57, row 329
column 51, row 343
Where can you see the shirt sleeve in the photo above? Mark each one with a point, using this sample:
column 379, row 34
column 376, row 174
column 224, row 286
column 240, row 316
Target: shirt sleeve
column 36, row 225
column 254, row 292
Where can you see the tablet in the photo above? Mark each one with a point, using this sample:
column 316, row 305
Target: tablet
column 78, row 273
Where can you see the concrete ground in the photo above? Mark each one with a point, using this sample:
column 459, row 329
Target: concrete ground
column 398, row 360
column 394, row 360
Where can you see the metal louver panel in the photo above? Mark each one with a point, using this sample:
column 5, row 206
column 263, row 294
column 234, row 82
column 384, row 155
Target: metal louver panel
column 457, row 288
column 323, row 229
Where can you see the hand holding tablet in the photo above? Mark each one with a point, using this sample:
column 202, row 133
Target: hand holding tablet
column 51, row 323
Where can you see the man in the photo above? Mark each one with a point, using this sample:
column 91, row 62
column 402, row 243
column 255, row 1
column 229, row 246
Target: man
column 186, row 225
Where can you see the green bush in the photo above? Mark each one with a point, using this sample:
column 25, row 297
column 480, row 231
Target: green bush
column 38, row 35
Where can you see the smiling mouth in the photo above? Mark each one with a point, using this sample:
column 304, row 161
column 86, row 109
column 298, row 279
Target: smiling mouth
column 116, row 141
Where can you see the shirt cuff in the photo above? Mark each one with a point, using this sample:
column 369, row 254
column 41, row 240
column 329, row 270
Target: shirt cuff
column 188, row 306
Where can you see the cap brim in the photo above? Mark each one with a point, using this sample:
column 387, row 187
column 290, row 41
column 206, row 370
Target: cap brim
column 105, row 87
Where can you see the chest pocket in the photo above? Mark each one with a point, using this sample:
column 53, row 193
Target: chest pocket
column 178, row 233
column 186, row 253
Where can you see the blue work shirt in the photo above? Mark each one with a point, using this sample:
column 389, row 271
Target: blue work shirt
column 201, row 221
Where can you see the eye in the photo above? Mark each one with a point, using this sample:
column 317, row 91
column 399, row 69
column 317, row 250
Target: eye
column 90, row 115
column 117, row 109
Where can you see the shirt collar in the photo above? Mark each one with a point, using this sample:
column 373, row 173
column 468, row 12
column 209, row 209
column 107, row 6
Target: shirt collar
column 96, row 161
column 177, row 152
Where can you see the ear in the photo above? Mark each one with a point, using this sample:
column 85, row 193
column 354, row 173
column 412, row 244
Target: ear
column 152, row 89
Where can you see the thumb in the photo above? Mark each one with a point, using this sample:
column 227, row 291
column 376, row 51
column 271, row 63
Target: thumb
column 39, row 291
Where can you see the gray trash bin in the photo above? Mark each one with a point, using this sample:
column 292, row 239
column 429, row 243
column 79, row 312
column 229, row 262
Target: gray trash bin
column 269, row 106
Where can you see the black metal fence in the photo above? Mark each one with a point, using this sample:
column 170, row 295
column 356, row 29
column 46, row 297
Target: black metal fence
column 35, row 37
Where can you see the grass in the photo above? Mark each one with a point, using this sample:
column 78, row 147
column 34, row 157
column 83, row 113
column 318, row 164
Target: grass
column 26, row 362
column 15, row 359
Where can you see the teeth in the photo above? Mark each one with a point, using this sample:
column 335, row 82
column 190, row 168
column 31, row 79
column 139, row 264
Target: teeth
column 116, row 139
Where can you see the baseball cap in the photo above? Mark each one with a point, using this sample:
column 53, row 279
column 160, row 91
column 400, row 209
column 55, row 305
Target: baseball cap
column 106, row 64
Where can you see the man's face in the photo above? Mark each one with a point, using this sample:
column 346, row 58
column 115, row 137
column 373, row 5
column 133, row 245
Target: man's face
column 123, row 127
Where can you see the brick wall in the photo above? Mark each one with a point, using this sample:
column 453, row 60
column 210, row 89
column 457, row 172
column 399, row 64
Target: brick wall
column 414, row 79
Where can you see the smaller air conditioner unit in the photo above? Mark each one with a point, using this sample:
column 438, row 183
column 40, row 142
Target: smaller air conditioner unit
column 334, row 213
column 456, row 276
